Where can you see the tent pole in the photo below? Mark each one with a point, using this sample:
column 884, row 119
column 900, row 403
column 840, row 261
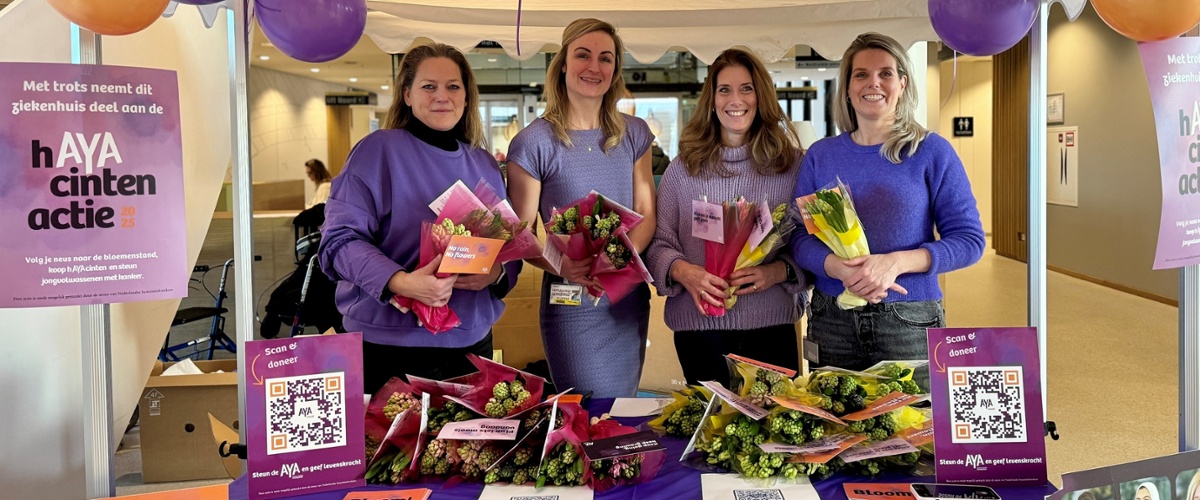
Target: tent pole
column 243, row 232
column 1038, row 39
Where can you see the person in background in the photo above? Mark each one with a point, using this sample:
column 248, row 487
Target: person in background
column 316, row 172
column 658, row 159
column 739, row 142
column 433, row 137
column 582, row 143
column 906, row 183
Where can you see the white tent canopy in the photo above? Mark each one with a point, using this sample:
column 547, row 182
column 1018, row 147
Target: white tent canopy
column 769, row 28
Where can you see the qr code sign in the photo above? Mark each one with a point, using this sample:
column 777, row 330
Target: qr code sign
column 757, row 495
column 987, row 404
column 306, row 412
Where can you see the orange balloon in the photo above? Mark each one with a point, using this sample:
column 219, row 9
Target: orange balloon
column 111, row 17
column 1149, row 21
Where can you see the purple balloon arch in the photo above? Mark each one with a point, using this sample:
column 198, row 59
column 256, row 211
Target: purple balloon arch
column 312, row 30
column 982, row 27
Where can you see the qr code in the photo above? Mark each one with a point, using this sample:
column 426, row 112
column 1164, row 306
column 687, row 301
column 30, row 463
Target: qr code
column 306, row 412
column 757, row 495
column 987, row 404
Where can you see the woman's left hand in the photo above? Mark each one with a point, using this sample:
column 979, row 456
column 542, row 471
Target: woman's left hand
column 876, row 275
column 476, row 282
column 759, row 277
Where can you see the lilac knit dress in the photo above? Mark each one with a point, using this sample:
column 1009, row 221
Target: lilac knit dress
column 591, row 348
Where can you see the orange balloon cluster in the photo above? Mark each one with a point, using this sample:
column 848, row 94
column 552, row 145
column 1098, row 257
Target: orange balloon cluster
column 111, row 17
column 1149, row 21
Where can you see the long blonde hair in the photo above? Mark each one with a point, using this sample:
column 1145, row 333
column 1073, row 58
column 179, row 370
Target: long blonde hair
column 469, row 128
column 558, row 105
column 774, row 144
column 907, row 134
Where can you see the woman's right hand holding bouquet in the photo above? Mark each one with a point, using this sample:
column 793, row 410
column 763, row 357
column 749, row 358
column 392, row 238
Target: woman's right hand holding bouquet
column 423, row 284
column 576, row 271
column 703, row 286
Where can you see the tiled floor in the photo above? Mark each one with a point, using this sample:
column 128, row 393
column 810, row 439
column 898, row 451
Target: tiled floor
column 1113, row 357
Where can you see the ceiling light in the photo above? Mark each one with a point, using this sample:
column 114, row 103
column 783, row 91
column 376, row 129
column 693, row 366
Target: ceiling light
column 821, row 69
column 384, row 87
column 264, row 58
column 491, row 59
column 353, row 79
column 315, row 70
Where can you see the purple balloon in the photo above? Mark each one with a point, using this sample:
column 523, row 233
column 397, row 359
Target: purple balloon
column 312, row 30
column 982, row 27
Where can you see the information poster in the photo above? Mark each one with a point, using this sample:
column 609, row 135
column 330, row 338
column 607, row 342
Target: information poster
column 305, row 415
column 1173, row 476
column 1173, row 71
column 91, row 174
column 987, row 406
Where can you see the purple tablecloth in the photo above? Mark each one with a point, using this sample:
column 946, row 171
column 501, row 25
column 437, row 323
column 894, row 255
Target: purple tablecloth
column 674, row 480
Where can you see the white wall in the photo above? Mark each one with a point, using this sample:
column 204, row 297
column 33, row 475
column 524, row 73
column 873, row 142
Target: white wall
column 287, row 124
column 41, row 439
column 971, row 96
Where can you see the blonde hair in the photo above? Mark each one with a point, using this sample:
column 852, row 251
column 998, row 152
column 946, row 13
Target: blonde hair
column 558, row 105
column 1193, row 486
column 774, row 144
column 469, row 128
column 907, row 134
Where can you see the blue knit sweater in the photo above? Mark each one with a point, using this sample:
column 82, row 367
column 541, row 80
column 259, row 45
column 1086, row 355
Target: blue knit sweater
column 900, row 207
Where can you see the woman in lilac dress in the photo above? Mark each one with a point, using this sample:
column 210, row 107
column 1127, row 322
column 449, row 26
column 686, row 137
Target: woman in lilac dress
column 582, row 143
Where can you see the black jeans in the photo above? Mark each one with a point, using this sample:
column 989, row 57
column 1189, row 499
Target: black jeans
column 857, row 339
column 382, row 362
column 702, row 352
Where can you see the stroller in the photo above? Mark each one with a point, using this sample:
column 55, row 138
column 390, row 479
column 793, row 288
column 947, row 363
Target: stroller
column 306, row 296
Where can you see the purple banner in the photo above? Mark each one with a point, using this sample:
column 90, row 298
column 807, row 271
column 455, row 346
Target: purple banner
column 91, row 174
column 987, row 406
column 1173, row 71
column 304, row 412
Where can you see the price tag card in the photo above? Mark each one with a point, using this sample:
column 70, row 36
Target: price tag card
column 470, row 255
column 895, row 446
column 762, row 225
column 440, row 202
column 883, row 405
column 738, row 402
column 481, row 429
column 798, row 406
column 708, row 221
column 619, row 446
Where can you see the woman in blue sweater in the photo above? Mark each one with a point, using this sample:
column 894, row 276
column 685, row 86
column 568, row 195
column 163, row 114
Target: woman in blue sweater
column 906, row 182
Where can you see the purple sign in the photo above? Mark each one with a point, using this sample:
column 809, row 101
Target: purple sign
column 91, row 174
column 304, row 412
column 1173, row 71
column 987, row 406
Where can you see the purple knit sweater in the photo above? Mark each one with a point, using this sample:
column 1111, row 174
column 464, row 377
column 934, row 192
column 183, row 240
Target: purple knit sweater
column 673, row 240
column 900, row 206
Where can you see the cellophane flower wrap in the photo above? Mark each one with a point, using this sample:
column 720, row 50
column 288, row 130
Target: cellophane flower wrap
column 637, row 468
column 595, row 226
column 462, row 214
column 501, row 390
column 721, row 258
column 393, row 462
column 563, row 463
column 682, row 416
column 523, row 244
column 830, row 216
column 755, row 253
column 391, row 400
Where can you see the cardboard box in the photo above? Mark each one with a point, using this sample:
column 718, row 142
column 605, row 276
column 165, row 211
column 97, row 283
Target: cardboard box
column 177, row 438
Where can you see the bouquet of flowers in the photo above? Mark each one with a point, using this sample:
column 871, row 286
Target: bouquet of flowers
column 720, row 257
column 464, row 214
column 393, row 461
column 681, row 417
column 391, row 400
column 563, row 460
column 502, row 391
column 595, row 226
column 829, row 215
column 637, row 468
column 763, row 240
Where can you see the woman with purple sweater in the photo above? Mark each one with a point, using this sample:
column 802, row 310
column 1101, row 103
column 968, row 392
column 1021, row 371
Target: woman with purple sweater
column 738, row 143
column 906, row 183
column 372, row 231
